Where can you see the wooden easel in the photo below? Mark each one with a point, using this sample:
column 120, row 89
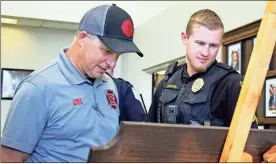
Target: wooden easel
column 252, row 87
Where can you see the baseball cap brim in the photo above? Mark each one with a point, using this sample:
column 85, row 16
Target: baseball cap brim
column 120, row 45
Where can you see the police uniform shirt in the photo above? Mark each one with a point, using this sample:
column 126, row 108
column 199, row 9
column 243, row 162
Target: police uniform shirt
column 223, row 101
column 130, row 106
column 57, row 115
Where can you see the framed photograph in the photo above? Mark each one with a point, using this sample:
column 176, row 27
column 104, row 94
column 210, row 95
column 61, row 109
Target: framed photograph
column 270, row 97
column 10, row 80
column 234, row 56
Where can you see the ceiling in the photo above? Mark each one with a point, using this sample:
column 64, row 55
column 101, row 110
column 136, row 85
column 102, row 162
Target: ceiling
column 67, row 14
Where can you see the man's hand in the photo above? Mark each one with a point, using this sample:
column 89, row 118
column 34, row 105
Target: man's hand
column 12, row 155
column 270, row 155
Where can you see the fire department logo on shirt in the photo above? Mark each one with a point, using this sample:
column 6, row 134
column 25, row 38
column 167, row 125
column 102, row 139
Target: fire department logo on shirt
column 111, row 99
column 77, row 101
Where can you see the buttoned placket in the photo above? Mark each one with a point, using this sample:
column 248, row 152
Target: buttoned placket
column 95, row 106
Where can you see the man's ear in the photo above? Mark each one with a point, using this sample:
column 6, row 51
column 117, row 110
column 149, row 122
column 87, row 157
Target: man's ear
column 184, row 38
column 81, row 37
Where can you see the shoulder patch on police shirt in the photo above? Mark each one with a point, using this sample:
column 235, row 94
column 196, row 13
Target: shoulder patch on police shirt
column 172, row 86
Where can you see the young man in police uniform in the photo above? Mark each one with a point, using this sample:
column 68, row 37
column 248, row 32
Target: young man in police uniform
column 130, row 106
column 60, row 112
column 202, row 91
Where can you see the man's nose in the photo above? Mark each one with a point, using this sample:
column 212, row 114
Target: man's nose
column 205, row 50
column 111, row 61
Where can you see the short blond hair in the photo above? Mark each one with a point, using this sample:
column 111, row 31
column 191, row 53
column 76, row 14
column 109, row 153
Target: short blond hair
column 206, row 18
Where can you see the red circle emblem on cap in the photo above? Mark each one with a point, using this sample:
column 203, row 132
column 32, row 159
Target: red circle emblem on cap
column 127, row 28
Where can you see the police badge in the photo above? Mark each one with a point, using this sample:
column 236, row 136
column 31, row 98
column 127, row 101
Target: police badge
column 197, row 85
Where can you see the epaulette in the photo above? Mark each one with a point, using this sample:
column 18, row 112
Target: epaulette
column 124, row 81
column 179, row 67
column 171, row 69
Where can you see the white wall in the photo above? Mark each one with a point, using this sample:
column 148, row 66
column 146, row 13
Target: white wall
column 140, row 11
column 159, row 37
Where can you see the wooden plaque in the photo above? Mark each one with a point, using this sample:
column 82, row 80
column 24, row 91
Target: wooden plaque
column 154, row 142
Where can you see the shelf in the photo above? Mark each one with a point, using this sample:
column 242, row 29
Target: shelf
column 265, row 121
column 271, row 73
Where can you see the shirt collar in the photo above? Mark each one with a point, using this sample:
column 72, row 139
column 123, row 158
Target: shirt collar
column 71, row 73
column 101, row 80
column 185, row 74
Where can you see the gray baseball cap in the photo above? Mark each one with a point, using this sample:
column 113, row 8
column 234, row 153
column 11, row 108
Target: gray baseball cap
column 113, row 26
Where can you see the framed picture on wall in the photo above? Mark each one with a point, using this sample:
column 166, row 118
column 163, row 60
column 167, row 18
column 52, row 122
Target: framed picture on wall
column 234, row 56
column 10, row 80
column 270, row 97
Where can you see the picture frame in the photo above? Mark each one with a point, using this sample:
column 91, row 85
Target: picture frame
column 234, row 56
column 270, row 97
column 10, row 78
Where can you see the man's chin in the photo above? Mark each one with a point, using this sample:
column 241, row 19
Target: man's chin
column 98, row 75
column 201, row 69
